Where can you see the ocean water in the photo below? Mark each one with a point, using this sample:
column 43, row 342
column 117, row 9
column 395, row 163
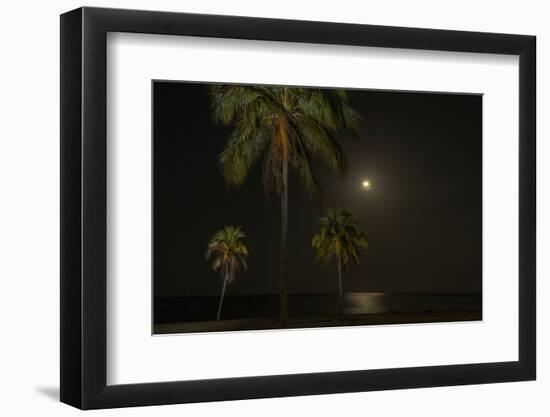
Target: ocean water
column 192, row 309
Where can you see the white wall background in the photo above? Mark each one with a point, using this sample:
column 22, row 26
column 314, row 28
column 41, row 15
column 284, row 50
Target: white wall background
column 29, row 209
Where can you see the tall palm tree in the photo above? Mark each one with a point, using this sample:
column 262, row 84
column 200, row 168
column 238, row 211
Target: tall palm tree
column 340, row 238
column 228, row 253
column 286, row 127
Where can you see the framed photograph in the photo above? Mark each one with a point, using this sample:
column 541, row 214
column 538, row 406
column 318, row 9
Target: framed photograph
column 257, row 208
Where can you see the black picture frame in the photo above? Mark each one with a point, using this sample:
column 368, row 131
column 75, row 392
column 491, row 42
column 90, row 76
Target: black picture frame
column 84, row 194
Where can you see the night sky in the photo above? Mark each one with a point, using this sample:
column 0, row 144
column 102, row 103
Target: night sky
column 422, row 153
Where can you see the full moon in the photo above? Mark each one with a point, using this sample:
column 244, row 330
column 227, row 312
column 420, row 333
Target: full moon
column 366, row 184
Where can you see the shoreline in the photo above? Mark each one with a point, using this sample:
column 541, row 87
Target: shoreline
column 293, row 323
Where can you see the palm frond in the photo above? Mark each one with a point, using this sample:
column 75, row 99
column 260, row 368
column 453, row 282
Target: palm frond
column 319, row 142
column 228, row 101
column 339, row 237
column 228, row 252
column 245, row 145
column 280, row 124
column 302, row 166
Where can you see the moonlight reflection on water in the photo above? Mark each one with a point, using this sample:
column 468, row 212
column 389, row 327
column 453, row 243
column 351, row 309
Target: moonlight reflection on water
column 377, row 302
column 188, row 309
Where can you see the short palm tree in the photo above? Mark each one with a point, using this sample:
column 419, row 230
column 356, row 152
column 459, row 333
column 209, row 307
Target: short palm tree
column 228, row 253
column 286, row 127
column 341, row 239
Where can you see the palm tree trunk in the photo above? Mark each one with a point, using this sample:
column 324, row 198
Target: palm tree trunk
column 340, row 287
column 221, row 297
column 284, row 248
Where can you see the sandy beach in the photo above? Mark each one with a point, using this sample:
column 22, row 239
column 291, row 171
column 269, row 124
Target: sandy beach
column 355, row 320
